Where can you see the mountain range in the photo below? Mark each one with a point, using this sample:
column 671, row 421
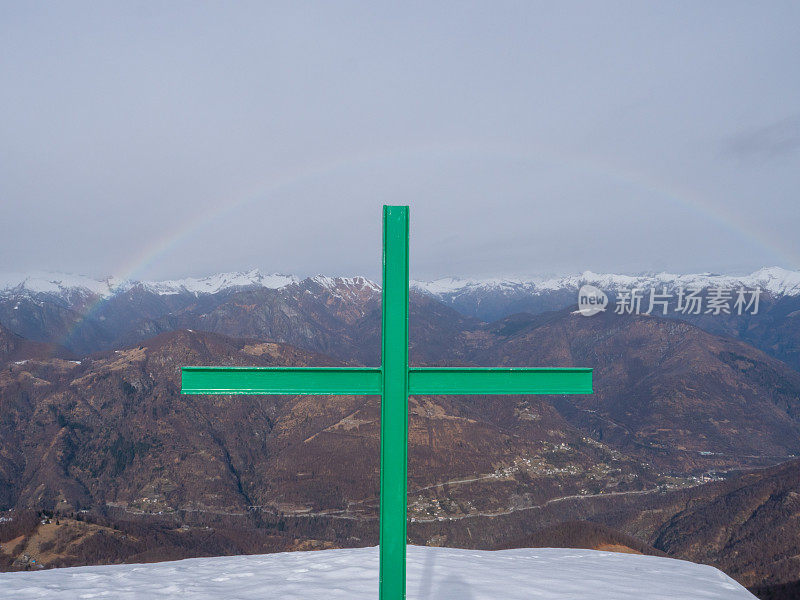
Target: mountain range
column 774, row 280
column 86, row 315
column 687, row 447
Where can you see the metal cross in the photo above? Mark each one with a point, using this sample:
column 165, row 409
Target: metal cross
column 394, row 381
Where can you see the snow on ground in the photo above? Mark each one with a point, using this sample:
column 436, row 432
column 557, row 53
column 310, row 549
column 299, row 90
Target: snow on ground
column 433, row 574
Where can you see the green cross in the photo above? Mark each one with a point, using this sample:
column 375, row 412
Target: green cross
column 394, row 381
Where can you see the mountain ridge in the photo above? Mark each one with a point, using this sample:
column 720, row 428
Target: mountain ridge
column 774, row 280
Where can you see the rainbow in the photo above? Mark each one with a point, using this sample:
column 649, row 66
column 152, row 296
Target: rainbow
column 645, row 183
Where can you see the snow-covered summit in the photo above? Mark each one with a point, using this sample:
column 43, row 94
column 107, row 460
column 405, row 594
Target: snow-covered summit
column 352, row 574
column 775, row 280
column 61, row 284
column 41, row 282
column 221, row 281
column 352, row 283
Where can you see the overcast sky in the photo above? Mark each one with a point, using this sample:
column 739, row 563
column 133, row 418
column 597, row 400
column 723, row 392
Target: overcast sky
column 166, row 139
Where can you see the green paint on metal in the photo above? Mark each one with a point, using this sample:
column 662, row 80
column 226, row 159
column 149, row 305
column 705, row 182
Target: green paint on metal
column 394, row 404
column 369, row 381
column 499, row 380
column 281, row 380
column 394, row 381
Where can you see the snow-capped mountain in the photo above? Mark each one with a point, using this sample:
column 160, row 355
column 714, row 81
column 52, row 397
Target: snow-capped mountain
column 69, row 286
column 352, row 574
column 491, row 299
column 774, row 280
column 61, row 284
column 56, row 284
column 89, row 314
column 213, row 284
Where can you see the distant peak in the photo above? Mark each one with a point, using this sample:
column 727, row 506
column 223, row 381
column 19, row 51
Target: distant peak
column 45, row 282
column 62, row 284
column 212, row 284
column 356, row 282
column 775, row 280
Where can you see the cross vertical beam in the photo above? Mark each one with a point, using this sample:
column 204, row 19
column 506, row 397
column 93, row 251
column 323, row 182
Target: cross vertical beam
column 394, row 404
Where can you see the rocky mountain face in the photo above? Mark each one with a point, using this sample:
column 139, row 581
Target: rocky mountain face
column 114, row 431
column 671, row 401
column 665, row 391
column 16, row 348
column 747, row 525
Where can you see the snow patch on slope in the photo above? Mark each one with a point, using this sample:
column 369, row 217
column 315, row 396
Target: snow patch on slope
column 352, row 574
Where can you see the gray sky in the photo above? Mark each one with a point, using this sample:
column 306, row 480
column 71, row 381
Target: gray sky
column 158, row 140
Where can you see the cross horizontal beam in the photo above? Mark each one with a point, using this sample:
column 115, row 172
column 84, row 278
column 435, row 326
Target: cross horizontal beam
column 281, row 380
column 499, row 380
column 367, row 380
